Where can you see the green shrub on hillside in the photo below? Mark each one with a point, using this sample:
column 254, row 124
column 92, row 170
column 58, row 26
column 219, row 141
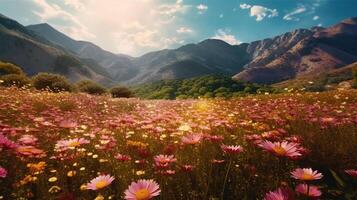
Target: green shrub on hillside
column 51, row 82
column 8, row 68
column 90, row 87
column 206, row 86
column 121, row 92
column 17, row 80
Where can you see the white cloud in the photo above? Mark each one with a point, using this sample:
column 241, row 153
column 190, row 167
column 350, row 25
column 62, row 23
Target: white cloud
column 184, row 30
column 316, row 17
column 261, row 12
column 122, row 26
column 226, row 36
column 292, row 15
column 170, row 9
column 52, row 11
column 245, row 6
column 201, row 8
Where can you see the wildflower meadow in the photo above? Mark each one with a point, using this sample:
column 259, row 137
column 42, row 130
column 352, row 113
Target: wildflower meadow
column 68, row 146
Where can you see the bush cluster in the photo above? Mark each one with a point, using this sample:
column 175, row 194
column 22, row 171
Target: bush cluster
column 206, row 86
column 12, row 75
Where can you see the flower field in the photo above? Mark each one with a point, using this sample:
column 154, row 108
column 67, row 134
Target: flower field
column 276, row 147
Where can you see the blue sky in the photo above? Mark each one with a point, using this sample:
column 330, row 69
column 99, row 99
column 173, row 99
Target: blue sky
column 135, row 27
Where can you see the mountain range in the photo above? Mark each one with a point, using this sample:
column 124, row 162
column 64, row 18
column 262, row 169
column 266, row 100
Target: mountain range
column 292, row 55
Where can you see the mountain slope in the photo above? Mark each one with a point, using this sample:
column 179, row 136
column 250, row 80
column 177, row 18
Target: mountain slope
column 207, row 57
column 317, row 51
column 36, row 54
column 115, row 64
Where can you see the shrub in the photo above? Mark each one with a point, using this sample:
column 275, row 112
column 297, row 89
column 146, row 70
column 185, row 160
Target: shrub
column 52, row 82
column 91, row 87
column 120, row 91
column 8, row 68
column 14, row 80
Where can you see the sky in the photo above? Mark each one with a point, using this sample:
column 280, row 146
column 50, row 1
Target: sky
column 135, row 27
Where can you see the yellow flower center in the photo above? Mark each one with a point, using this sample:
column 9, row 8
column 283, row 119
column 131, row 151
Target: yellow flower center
column 101, row 184
column 142, row 194
column 74, row 144
column 279, row 150
column 307, row 177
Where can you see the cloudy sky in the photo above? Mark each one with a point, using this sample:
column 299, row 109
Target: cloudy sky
column 135, row 27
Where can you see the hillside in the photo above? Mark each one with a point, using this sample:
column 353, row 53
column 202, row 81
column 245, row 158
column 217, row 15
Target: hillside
column 35, row 54
column 317, row 51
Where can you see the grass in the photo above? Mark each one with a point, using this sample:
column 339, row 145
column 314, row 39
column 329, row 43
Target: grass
column 323, row 123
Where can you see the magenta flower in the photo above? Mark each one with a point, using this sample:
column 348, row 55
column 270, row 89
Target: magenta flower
column 282, row 149
column 306, row 174
column 232, row 149
column 163, row 161
column 308, row 190
column 191, row 139
column 351, row 172
column 100, row 182
column 142, row 190
column 122, row 157
column 27, row 140
column 280, row 194
column 3, row 172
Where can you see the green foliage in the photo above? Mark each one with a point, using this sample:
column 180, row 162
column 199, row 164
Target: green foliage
column 90, row 87
column 52, row 82
column 121, row 92
column 8, row 68
column 209, row 86
column 17, row 80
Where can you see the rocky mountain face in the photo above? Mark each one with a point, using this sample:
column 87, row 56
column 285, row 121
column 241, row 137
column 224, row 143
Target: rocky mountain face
column 34, row 54
column 301, row 53
column 207, row 57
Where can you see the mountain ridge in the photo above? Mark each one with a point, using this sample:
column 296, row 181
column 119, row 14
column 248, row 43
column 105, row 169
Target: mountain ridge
column 287, row 56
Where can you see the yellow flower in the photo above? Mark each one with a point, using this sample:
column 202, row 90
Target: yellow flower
column 52, row 179
column 140, row 172
column 71, row 173
column 54, row 189
column 99, row 197
column 83, row 187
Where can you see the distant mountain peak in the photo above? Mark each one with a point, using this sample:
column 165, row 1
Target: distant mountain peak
column 352, row 20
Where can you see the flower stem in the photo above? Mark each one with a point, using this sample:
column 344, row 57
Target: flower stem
column 226, row 178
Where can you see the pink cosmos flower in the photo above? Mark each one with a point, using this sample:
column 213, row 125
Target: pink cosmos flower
column 100, row 182
column 3, row 172
column 232, row 149
column 122, row 157
column 163, row 161
column 282, row 148
column 68, row 124
column 28, row 140
column 191, row 139
column 306, row 174
column 142, row 190
column 351, row 172
column 308, row 190
column 187, row 168
column 63, row 145
column 6, row 143
column 280, row 194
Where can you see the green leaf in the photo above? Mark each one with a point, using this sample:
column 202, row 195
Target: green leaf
column 337, row 178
